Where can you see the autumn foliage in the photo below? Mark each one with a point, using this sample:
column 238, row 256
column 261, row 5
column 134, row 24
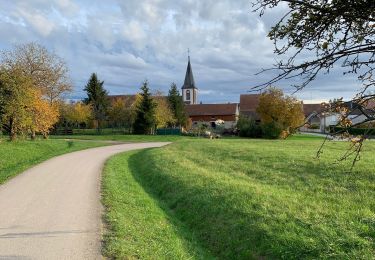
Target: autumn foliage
column 32, row 80
column 279, row 111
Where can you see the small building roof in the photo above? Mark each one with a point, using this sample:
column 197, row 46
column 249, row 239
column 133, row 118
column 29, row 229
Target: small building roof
column 212, row 109
column 308, row 109
column 249, row 103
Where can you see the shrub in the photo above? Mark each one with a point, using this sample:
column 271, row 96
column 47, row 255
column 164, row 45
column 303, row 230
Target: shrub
column 271, row 130
column 248, row 127
column 353, row 131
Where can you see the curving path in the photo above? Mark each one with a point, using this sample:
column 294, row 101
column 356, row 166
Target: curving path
column 53, row 210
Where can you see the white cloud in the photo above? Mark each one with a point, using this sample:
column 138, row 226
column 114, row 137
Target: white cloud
column 39, row 22
column 128, row 41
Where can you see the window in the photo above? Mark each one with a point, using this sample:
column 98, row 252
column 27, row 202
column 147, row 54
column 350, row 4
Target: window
column 187, row 94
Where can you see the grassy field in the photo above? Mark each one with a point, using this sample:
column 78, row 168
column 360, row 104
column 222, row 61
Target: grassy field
column 20, row 155
column 125, row 138
column 240, row 199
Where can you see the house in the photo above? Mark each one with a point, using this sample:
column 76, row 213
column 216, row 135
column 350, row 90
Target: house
column 248, row 105
column 206, row 113
column 210, row 113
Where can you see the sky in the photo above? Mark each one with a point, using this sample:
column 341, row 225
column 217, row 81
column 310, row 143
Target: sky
column 128, row 41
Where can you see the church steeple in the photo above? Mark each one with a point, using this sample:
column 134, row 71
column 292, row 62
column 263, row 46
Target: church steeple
column 189, row 90
column 189, row 78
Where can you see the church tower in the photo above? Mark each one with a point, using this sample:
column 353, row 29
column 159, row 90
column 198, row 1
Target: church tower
column 189, row 91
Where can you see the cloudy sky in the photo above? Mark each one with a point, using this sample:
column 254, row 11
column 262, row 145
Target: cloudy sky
column 128, row 41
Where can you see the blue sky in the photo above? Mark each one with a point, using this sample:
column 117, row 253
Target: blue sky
column 126, row 42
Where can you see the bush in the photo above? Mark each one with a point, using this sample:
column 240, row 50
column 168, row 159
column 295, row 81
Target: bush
column 247, row 127
column 271, row 130
column 353, row 131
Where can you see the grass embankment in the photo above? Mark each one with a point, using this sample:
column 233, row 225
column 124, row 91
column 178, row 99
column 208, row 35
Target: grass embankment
column 141, row 226
column 241, row 199
column 17, row 156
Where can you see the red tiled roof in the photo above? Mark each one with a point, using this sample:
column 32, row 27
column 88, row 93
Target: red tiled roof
column 211, row 109
column 308, row 109
column 249, row 102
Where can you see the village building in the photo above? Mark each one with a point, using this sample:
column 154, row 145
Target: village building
column 317, row 120
column 248, row 106
column 209, row 114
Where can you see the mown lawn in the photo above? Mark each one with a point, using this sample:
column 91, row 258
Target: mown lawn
column 240, row 199
column 125, row 138
column 17, row 156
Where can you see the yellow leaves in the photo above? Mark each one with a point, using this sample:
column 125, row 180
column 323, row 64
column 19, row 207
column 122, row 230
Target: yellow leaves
column 44, row 115
column 274, row 106
column 163, row 114
column 78, row 113
column 24, row 108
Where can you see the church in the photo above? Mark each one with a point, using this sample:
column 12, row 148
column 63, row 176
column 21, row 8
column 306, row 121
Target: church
column 206, row 113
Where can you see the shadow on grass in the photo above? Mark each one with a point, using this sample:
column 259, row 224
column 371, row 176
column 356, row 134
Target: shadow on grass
column 190, row 208
column 236, row 222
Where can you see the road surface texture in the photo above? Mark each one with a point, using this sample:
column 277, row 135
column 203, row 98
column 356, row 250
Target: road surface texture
column 53, row 210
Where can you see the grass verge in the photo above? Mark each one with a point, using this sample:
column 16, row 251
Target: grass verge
column 125, row 138
column 245, row 199
column 19, row 155
column 141, row 227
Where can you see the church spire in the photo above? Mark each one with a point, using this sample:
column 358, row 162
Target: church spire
column 189, row 78
column 189, row 90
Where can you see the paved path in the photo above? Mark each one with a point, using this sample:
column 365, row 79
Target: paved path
column 53, row 210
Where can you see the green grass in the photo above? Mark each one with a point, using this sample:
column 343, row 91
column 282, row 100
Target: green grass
column 125, row 138
column 242, row 199
column 141, row 227
column 19, row 155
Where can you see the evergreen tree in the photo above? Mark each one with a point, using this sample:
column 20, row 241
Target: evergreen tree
column 177, row 105
column 145, row 112
column 97, row 97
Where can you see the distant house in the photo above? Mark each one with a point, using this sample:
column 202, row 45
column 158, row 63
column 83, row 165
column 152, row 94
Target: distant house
column 312, row 114
column 248, row 105
column 127, row 99
column 209, row 113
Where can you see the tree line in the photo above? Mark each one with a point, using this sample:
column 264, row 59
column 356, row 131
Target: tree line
column 33, row 85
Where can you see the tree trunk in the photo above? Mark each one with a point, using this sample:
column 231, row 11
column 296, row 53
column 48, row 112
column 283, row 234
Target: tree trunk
column 12, row 131
column 33, row 135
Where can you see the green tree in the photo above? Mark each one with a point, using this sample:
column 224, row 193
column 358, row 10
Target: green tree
column 97, row 97
column 145, row 112
column 16, row 99
column 177, row 105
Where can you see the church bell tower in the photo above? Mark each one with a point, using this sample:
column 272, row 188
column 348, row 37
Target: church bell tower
column 189, row 90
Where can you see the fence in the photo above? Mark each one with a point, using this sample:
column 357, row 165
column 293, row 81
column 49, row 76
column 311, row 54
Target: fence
column 168, row 131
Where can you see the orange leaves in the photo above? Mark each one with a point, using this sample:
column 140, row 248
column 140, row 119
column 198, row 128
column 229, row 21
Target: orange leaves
column 44, row 115
column 284, row 110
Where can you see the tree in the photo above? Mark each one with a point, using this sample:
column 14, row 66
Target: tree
column 16, row 98
column 336, row 33
column 47, row 71
column 121, row 113
column 177, row 105
column 145, row 112
column 97, row 97
column 163, row 114
column 44, row 115
column 75, row 114
column 278, row 111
